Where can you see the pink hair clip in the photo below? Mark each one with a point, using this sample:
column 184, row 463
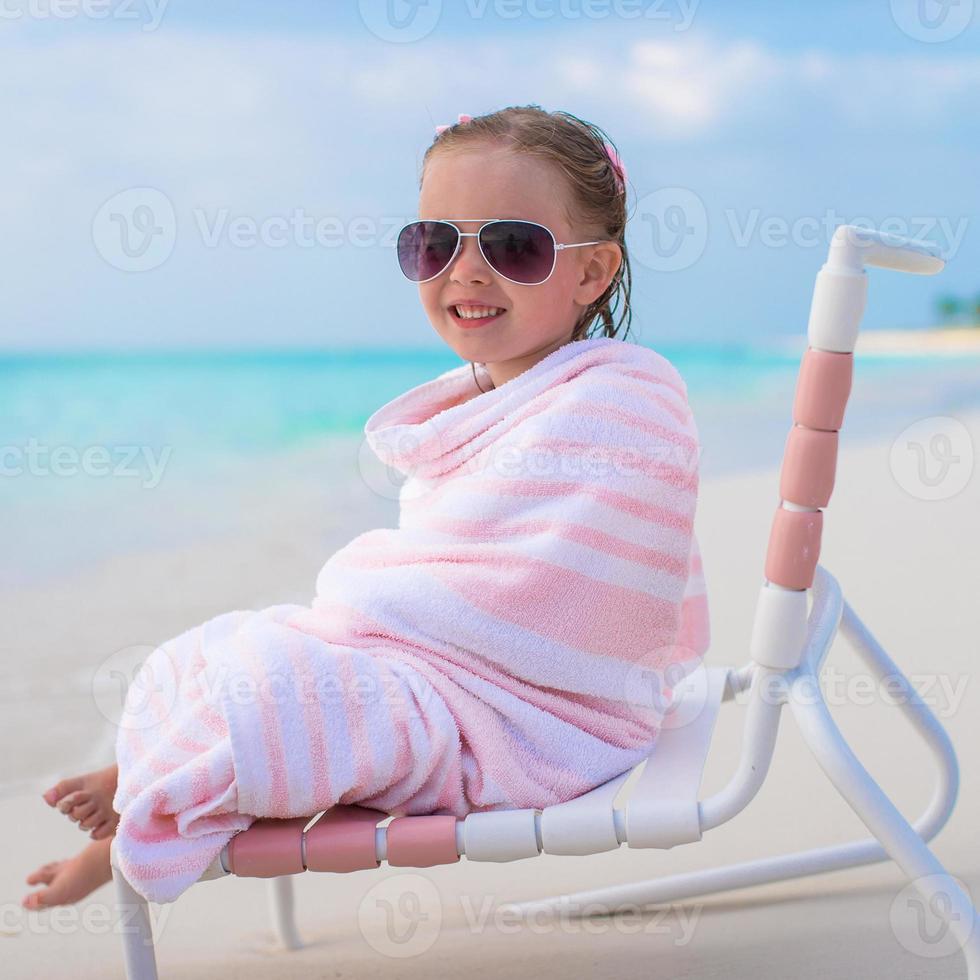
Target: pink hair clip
column 618, row 164
column 463, row 118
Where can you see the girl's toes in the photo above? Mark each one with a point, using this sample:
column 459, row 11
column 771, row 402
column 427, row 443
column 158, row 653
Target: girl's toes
column 103, row 830
column 72, row 800
column 87, row 816
column 43, row 898
column 107, row 828
column 56, row 792
column 44, row 874
column 95, row 819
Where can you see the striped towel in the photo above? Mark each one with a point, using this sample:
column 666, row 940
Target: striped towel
column 512, row 643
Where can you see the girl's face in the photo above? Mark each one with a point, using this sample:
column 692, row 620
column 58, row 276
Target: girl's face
column 493, row 182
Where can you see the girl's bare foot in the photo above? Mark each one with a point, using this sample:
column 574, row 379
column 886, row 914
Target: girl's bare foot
column 87, row 800
column 70, row 880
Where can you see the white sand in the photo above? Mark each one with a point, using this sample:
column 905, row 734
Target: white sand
column 909, row 567
column 938, row 340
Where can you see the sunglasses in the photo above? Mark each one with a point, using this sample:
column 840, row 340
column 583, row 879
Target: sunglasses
column 523, row 252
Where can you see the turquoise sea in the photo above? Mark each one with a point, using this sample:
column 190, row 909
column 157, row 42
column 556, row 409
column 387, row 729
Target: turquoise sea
column 95, row 443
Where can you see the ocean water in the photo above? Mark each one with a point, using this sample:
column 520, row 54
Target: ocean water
column 106, row 452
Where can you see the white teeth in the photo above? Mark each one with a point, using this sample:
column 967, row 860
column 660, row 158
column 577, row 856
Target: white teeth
column 475, row 312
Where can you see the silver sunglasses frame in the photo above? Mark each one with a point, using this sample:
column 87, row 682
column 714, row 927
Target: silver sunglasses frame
column 476, row 234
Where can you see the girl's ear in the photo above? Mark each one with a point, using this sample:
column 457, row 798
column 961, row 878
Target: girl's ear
column 600, row 267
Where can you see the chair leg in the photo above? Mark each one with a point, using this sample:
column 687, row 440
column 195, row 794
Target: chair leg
column 936, row 886
column 797, row 864
column 282, row 909
column 134, row 923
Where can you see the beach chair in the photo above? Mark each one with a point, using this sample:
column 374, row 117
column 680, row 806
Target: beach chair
column 788, row 645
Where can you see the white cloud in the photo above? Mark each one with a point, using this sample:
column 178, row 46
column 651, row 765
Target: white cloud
column 336, row 124
column 688, row 86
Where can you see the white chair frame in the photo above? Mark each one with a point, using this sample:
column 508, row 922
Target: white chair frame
column 662, row 809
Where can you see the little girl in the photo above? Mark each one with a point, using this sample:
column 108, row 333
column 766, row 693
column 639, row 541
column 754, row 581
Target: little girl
column 544, row 572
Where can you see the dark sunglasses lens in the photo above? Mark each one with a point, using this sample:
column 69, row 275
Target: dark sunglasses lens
column 425, row 248
column 518, row 250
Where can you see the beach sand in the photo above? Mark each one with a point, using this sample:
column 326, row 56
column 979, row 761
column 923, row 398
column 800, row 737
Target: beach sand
column 908, row 566
column 946, row 341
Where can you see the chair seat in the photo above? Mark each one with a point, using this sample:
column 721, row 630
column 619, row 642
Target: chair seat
column 661, row 810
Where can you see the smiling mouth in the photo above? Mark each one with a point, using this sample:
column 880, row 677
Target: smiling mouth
column 470, row 321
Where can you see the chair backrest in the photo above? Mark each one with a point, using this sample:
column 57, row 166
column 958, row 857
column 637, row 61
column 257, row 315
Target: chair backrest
column 809, row 463
column 658, row 798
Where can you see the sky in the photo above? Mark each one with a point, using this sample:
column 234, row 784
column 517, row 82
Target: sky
column 231, row 174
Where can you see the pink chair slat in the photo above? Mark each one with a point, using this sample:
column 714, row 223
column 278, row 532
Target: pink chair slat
column 809, row 467
column 822, row 388
column 794, row 547
column 268, row 848
column 343, row 839
column 422, row 841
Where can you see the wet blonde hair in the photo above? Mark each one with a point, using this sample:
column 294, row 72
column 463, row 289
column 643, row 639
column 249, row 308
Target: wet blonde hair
column 595, row 203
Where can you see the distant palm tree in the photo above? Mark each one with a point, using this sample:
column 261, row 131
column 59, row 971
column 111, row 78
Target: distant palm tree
column 948, row 307
column 953, row 310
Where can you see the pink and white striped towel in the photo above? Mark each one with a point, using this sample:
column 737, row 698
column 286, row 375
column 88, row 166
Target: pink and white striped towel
column 510, row 644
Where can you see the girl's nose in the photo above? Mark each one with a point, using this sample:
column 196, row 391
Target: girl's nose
column 469, row 264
